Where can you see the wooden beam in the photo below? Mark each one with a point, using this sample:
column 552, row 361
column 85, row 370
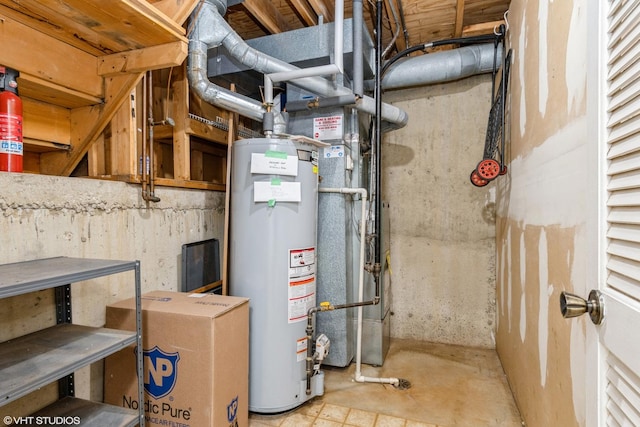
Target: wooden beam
column 301, row 7
column 206, row 132
column 46, row 122
column 55, row 62
column 178, row 10
column 94, row 27
column 480, row 29
column 42, row 90
column 459, row 18
column 197, row 185
column 87, row 123
column 321, row 7
column 267, row 14
column 141, row 60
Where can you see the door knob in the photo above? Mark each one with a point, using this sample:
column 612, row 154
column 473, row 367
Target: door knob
column 573, row 306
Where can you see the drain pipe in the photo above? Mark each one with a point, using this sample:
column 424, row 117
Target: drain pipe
column 326, row 306
column 358, row 67
column 396, row 382
column 212, row 30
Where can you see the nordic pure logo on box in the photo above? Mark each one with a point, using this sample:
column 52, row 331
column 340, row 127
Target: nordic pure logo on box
column 232, row 410
column 161, row 371
column 160, row 376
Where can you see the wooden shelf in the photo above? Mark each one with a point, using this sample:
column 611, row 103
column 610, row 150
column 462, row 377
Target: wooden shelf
column 95, row 26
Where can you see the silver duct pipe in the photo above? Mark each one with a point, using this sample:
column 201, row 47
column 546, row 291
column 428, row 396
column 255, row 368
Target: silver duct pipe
column 214, row 94
column 197, row 68
column 440, row 67
column 212, row 30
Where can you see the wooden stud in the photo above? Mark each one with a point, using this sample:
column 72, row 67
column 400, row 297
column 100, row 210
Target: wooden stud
column 96, row 157
column 181, row 148
column 124, row 153
column 231, row 137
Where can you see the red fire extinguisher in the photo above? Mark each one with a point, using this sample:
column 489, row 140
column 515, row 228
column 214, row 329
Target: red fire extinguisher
column 10, row 122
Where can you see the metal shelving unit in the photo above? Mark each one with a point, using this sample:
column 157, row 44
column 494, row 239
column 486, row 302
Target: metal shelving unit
column 34, row 360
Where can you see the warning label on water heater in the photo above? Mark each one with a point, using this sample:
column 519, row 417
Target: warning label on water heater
column 302, row 283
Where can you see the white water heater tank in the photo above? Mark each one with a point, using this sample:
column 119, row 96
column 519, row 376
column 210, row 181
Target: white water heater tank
column 274, row 204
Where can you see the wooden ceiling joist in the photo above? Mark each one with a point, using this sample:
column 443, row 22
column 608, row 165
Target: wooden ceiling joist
column 324, row 8
column 267, row 15
column 480, row 29
column 459, row 18
column 308, row 16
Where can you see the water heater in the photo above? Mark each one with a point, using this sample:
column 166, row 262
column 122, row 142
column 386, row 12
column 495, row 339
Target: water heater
column 274, row 204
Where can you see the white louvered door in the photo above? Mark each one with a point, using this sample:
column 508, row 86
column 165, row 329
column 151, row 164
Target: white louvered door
column 619, row 335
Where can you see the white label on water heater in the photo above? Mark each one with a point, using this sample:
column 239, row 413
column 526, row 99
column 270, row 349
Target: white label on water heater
column 302, row 283
column 266, row 191
column 274, row 163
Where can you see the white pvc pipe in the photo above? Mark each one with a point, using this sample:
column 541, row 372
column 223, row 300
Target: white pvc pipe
column 338, row 37
column 322, row 70
column 358, row 377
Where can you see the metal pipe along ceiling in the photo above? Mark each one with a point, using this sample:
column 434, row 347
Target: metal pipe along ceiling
column 212, row 30
column 440, row 67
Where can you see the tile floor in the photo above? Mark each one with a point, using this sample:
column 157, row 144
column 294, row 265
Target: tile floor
column 451, row 386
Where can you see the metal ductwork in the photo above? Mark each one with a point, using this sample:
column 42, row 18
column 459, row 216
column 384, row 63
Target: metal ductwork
column 441, row 67
column 211, row 30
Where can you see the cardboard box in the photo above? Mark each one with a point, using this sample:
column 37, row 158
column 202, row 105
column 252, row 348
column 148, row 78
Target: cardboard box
column 196, row 359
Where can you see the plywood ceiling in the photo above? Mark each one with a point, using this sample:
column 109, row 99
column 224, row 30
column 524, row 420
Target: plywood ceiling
column 425, row 20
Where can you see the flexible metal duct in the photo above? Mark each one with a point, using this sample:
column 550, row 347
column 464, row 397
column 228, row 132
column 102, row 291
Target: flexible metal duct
column 211, row 30
column 440, row 67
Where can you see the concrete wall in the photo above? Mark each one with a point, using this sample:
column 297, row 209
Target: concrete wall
column 543, row 234
column 442, row 227
column 44, row 216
